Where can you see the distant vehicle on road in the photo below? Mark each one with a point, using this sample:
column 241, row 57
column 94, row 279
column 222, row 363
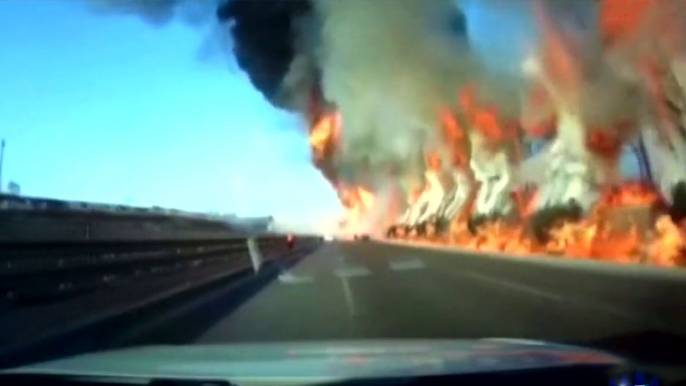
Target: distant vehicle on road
column 290, row 240
column 361, row 237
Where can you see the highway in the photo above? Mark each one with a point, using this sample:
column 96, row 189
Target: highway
column 369, row 290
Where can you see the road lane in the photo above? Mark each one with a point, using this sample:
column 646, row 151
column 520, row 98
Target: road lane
column 381, row 304
column 656, row 297
column 373, row 291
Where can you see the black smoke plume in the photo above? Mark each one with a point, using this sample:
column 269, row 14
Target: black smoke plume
column 264, row 36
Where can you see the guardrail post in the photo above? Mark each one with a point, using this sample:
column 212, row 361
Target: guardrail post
column 255, row 254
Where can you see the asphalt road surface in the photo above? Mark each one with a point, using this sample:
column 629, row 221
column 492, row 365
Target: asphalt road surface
column 367, row 290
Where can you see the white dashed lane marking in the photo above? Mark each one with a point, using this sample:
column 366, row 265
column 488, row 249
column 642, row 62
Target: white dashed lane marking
column 551, row 295
column 351, row 272
column 289, row 278
column 406, row 265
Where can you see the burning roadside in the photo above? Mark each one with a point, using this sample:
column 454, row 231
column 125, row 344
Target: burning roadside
column 424, row 140
column 474, row 193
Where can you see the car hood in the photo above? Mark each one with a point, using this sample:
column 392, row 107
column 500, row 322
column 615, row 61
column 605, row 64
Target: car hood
column 326, row 361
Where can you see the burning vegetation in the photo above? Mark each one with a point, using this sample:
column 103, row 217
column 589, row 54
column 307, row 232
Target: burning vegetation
column 423, row 140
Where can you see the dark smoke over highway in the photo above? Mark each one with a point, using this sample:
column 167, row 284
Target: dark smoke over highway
column 274, row 42
column 264, row 35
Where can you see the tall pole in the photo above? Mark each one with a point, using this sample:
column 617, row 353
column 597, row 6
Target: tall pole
column 2, row 155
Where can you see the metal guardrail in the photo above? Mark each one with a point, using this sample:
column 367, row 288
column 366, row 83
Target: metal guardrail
column 44, row 271
column 76, row 226
column 24, row 203
column 31, row 218
column 115, row 287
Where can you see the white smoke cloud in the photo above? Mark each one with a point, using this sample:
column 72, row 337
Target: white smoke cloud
column 389, row 66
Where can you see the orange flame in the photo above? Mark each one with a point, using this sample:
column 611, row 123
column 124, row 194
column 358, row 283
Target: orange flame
column 324, row 136
column 669, row 246
column 631, row 194
column 572, row 239
column 433, row 162
column 366, row 197
column 358, row 201
column 324, row 133
column 598, row 236
column 621, row 19
column 498, row 236
column 455, row 136
column 594, row 237
column 484, row 119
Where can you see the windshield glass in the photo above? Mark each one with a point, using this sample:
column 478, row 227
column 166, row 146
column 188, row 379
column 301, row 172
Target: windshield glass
column 216, row 172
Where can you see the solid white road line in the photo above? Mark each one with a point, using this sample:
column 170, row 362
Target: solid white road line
column 351, row 272
column 550, row 295
column 406, row 265
column 289, row 278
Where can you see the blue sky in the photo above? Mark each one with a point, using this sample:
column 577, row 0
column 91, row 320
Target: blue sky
column 110, row 109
